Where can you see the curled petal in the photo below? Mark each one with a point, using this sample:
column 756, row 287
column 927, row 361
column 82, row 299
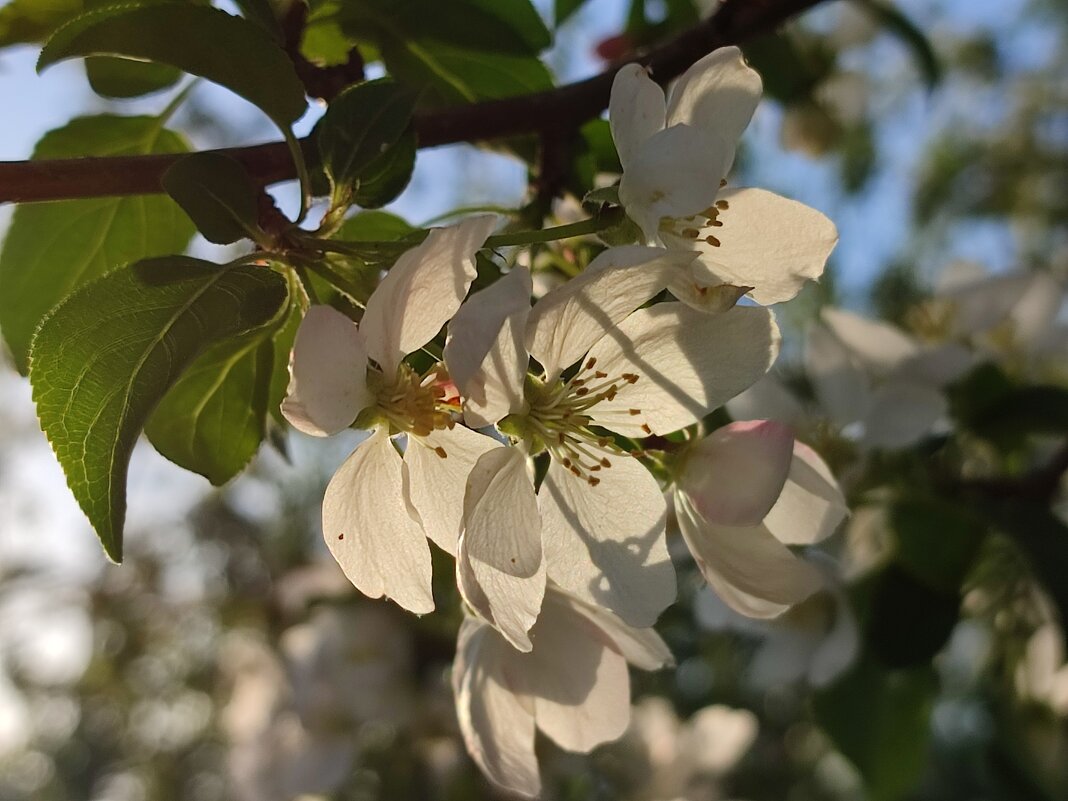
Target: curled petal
column 499, row 564
column 734, row 476
column 636, row 110
column 717, row 94
column 641, row 647
column 327, row 374
column 811, row 505
column 422, row 291
column 496, row 720
column 372, row 532
column 485, row 352
column 749, row 569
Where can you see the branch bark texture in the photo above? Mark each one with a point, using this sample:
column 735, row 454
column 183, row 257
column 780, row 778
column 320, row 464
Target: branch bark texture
column 562, row 108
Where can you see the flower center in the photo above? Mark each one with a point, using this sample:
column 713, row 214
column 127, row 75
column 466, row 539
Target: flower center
column 560, row 418
column 698, row 227
column 413, row 403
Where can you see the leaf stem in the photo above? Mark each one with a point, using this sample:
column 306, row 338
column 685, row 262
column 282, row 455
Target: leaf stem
column 581, row 228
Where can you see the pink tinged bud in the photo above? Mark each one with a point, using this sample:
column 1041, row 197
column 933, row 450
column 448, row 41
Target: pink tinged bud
column 735, row 475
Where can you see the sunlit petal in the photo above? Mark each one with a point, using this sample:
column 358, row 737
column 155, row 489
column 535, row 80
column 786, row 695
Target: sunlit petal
column 327, row 374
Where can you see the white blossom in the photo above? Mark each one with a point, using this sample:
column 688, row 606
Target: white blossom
column 573, row 686
column 742, row 495
column 631, row 372
column 379, row 508
column 676, row 152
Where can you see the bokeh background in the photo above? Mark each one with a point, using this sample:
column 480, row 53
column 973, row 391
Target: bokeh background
column 229, row 659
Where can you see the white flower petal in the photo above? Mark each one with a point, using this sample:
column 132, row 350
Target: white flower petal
column 436, row 484
column 879, row 347
column 768, row 242
column 735, row 475
column 902, row 413
column 636, row 110
column 641, row 647
column 675, row 173
column 605, row 544
column 811, row 505
column 569, row 319
column 768, row 399
column 842, row 389
column 699, row 287
column 370, row 530
column 497, row 722
column 749, row 569
column 839, row 647
column 327, row 374
column 717, row 94
column 580, row 685
column 980, row 305
column 718, row 737
column 688, row 363
column 422, row 291
column 500, row 568
column 485, row 350
column 937, row 366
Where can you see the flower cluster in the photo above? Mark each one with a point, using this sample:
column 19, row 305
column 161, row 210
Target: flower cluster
column 536, row 446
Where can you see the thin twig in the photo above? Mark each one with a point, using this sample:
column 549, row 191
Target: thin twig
column 564, row 107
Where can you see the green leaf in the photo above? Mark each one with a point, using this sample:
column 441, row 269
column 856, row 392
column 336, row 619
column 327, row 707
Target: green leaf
column 359, row 128
column 388, row 175
column 503, row 26
column 105, row 357
column 262, row 13
column 214, row 418
column 563, row 9
column 937, row 541
column 26, row 21
column 119, row 78
column 898, row 24
column 909, row 621
column 122, row 78
column 452, row 75
column 217, row 194
column 374, row 226
column 228, row 50
column 879, row 720
column 53, row 248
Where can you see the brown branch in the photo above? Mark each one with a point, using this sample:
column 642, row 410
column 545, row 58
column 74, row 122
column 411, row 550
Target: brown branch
column 564, row 107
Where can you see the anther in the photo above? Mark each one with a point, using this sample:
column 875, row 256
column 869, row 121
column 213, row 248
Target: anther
column 576, row 471
column 722, row 205
column 646, row 429
column 605, row 462
column 592, row 361
column 712, row 241
column 593, row 480
column 600, row 374
column 440, row 451
column 630, row 378
column 581, row 391
column 691, row 233
column 634, row 412
column 602, row 442
column 341, row 536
